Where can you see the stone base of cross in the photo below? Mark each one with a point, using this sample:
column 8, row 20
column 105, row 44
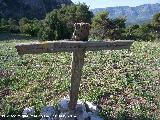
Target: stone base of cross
column 78, row 48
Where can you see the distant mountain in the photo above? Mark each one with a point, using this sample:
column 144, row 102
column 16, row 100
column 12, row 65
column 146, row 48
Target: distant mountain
column 138, row 14
column 28, row 8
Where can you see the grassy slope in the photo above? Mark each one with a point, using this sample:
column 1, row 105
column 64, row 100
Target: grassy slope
column 124, row 83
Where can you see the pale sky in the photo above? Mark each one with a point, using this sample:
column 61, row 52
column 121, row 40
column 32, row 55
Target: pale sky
column 111, row 3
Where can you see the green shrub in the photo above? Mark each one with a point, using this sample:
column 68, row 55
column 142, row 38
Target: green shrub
column 30, row 27
column 45, row 33
column 59, row 23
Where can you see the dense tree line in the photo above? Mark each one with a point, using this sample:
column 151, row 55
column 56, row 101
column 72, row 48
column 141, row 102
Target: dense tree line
column 58, row 24
column 106, row 28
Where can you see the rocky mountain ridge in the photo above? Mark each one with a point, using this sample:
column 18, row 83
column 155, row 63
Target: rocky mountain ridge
column 138, row 14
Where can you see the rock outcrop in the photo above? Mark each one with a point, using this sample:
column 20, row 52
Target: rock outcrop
column 29, row 8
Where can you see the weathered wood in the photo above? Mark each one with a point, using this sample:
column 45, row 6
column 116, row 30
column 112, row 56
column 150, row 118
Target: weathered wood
column 69, row 46
column 77, row 65
column 78, row 47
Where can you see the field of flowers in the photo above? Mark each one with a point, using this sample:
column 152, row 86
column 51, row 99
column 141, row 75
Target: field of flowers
column 125, row 84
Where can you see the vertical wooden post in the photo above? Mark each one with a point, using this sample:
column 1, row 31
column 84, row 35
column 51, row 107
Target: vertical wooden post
column 81, row 33
column 77, row 65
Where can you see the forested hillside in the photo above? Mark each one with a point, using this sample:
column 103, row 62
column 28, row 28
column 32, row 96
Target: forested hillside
column 28, row 8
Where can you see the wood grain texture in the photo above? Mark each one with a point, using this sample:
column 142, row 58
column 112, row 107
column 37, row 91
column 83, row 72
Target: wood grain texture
column 78, row 48
column 77, row 65
column 70, row 46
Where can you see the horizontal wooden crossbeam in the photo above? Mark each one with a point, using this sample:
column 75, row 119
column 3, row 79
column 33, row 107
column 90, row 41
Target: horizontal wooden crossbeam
column 70, row 46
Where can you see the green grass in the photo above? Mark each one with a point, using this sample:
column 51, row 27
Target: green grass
column 124, row 83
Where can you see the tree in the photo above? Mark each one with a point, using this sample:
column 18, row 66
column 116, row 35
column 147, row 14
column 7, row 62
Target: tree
column 45, row 32
column 118, row 28
column 132, row 31
column 156, row 20
column 146, row 32
column 13, row 26
column 156, row 24
column 105, row 28
column 143, row 32
column 23, row 21
column 75, row 13
column 60, row 21
column 100, row 25
column 30, row 27
column 4, row 22
column 56, row 29
column 4, row 25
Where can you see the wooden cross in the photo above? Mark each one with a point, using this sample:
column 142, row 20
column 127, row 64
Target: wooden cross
column 78, row 48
